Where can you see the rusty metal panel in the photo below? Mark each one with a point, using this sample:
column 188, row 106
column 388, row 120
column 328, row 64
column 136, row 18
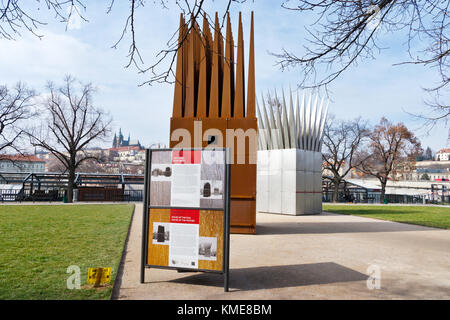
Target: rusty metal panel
column 214, row 127
column 243, row 216
column 243, row 180
column 248, row 126
column 181, row 123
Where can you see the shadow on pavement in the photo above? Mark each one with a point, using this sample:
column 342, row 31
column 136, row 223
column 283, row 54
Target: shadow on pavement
column 271, row 277
column 334, row 227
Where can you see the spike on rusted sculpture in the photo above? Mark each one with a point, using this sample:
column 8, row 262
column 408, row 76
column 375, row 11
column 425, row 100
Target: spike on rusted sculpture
column 214, row 98
column 227, row 90
column 178, row 99
column 251, row 93
column 203, row 82
column 190, row 80
column 180, row 79
column 210, row 87
column 239, row 100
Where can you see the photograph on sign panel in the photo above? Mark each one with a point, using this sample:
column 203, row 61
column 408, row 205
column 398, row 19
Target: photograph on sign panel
column 211, row 194
column 212, row 185
column 160, row 193
column 161, row 233
column 211, row 189
column 161, row 172
column 207, row 248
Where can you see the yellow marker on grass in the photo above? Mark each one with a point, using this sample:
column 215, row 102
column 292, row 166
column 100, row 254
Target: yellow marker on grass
column 98, row 276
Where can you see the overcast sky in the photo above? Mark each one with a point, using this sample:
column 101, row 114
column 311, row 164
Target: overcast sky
column 372, row 89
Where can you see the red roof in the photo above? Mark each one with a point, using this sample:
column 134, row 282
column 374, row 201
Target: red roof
column 16, row 157
column 444, row 151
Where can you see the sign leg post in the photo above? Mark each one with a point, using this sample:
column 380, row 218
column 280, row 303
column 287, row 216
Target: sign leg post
column 227, row 222
column 145, row 215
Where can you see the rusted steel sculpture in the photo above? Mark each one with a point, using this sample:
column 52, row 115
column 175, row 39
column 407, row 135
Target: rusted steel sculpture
column 209, row 100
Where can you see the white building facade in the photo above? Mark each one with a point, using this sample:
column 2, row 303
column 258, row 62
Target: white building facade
column 20, row 164
column 443, row 155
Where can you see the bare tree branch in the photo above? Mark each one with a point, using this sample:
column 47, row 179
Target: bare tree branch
column 345, row 33
column 341, row 148
column 15, row 107
column 14, row 16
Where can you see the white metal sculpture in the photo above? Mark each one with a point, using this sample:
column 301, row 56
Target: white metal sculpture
column 289, row 178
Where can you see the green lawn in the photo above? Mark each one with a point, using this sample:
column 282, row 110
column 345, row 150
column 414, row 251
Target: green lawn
column 39, row 242
column 430, row 216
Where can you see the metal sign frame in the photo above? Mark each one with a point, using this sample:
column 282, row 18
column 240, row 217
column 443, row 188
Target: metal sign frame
column 225, row 209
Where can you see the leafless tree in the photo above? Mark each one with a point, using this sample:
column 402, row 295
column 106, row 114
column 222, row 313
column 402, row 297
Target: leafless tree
column 391, row 146
column 347, row 32
column 15, row 106
column 16, row 16
column 162, row 69
column 342, row 143
column 71, row 124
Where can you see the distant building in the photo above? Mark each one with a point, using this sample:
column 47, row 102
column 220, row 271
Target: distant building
column 119, row 141
column 19, row 163
column 432, row 170
column 433, row 174
column 443, row 155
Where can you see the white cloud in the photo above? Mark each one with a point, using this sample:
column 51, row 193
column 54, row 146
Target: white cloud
column 75, row 20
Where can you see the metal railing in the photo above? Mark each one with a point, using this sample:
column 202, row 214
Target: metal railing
column 133, row 195
column 27, row 195
column 11, row 195
column 363, row 197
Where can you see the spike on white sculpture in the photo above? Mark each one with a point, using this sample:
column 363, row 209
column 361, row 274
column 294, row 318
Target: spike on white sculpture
column 289, row 179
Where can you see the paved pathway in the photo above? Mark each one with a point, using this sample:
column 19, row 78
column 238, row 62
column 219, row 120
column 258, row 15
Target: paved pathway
column 307, row 257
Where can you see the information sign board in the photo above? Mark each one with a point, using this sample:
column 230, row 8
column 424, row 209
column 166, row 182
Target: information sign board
column 186, row 211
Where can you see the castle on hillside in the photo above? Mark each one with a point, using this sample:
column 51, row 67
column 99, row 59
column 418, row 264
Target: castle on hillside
column 119, row 141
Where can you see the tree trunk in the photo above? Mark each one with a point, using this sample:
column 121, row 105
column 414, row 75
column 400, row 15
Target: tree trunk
column 383, row 191
column 70, row 183
column 336, row 191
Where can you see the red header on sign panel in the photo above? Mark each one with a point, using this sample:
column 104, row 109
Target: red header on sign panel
column 186, row 156
column 184, row 216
